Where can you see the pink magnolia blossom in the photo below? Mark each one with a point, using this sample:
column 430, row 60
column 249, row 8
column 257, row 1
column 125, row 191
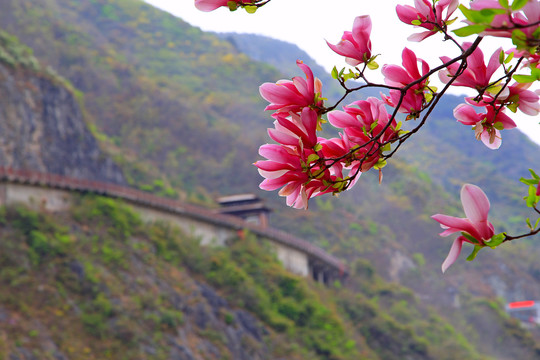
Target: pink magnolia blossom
column 431, row 18
column 363, row 121
column 485, row 123
column 526, row 18
column 296, row 130
column 211, row 5
column 477, row 75
column 286, row 168
column 526, row 100
column 394, row 75
column 287, row 95
column 516, row 95
column 335, row 148
column 531, row 60
column 355, row 45
column 475, row 225
column 293, row 165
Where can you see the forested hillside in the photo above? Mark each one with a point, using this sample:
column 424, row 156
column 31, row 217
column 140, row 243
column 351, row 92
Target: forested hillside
column 179, row 111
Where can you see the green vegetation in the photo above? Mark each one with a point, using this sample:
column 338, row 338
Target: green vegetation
column 95, row 305
column 178, row 109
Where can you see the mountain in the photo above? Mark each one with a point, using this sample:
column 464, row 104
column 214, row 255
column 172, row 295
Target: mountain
column 95, row 282
column 41, row 123
column 179, row 111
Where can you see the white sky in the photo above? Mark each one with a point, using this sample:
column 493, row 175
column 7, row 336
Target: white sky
column 308, row 23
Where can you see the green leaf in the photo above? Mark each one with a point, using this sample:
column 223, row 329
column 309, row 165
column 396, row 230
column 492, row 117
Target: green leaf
column 372, row 65
column 317, row 147
column 532, row 198
column 528, row 221
column 501, row 57
column 250, row 9
column 233, row 5
column 535, row 175
column 470, row 238
column 519, row 38
column 504, row 3
column 532, row 182
column 499, row 126
column 496, row 240
column 475, row 251
column 311, row 158
column 509, row 58
column 380, row 164
column 512, row 107
column 334, row 73
column 524, row 78
column 490, row 13
column 518, row 4
column 469, row 30
column 416, row 22
column 536, row 33
column 386, row 147
column 471, row 15
column 537, row 222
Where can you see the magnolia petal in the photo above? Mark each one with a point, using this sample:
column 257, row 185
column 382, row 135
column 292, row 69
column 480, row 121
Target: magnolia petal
column 395, row 75
column 341, row 119
column 453, row 254
column 267, row 165
column 272, row 174
column 475, row 203
column 420, row 36
column 362, row 24
column 406, row 13
column 454, row 224
column 466, row 114
column 310, row 79
column 209, row 5
column 491, row 141
column 283, row 138
column 279, row 94
column 409, row 62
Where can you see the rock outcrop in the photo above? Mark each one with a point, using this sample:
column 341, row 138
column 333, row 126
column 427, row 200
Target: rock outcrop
column 42, row 129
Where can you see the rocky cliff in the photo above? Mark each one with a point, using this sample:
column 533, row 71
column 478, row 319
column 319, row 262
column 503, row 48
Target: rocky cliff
column 41, row 124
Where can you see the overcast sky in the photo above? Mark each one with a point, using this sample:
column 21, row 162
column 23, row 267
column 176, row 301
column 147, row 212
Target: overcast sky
column 308, row 23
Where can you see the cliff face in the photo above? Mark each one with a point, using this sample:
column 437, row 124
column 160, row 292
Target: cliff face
column 42, row 129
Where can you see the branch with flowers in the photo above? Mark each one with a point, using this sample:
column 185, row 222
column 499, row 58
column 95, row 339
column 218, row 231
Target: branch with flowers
column 302, row 164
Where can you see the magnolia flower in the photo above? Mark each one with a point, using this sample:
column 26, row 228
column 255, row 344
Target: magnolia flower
column 287, row 95
column 335, row 148
column 296, row 130
column 288, row 168
column 429, row 18
column 475, row 228
column 394, row 75
column 355, row 45
column 477, row 75
column 362, row 121
column 526, row 100
column 525, row 19
column 486, row 124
